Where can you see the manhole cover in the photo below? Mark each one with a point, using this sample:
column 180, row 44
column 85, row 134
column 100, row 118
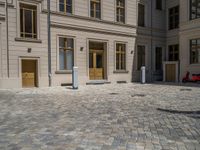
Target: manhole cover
column 138, row 95
column 185, row 89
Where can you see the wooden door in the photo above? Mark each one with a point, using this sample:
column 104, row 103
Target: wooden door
column 170, row 72
column 29, row 73
column 96, row 65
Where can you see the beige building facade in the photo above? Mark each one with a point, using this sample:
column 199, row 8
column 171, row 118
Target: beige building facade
column 107, row 40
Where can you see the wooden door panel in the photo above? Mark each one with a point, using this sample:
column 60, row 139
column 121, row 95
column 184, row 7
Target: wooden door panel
column 29, row 73
column 170, row 72
column 96, row 66
column 99, row 73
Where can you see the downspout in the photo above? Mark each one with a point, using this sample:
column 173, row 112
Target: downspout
column 151, row 41
column 49, row 42
column 7, row 40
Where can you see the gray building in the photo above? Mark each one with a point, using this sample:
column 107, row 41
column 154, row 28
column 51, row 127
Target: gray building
column 108, row 40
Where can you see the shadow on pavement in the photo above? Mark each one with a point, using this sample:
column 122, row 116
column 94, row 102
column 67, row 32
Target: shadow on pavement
column 193, row 114
column 189, row 84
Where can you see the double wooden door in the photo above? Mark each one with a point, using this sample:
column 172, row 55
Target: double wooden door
column 96, row 64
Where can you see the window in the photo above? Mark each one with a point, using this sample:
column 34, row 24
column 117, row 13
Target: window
column 158, row 58
column 173, row 52
column 95, row 9
column 141, row 15
column 195, row 51
column 66, row 51
column 174, row 18
column 120, row 56
column 140, row 56
column 194, row 9
column 159, row 4
column 65, row 6
column 120, row 11
column 28, row 21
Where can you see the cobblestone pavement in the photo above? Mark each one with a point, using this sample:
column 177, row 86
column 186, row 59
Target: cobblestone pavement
column 101, row 117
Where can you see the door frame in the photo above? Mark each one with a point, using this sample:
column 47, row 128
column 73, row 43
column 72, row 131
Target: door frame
column 105, row 53
column 37, row 59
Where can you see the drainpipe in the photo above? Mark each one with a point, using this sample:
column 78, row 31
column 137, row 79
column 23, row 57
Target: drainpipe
column 49, row 42
column 7, row 40
column 151, row 41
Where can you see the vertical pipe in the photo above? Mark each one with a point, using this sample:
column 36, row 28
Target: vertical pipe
column 151, row 41
column 7, row 40
column 49, row 42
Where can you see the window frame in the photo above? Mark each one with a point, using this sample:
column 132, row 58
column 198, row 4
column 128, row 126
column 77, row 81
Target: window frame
column 116, row 14
column 90, row 14
column 196, row 49
column 144, row 21
column 159, row 7
column 65, row 8
column 173, row 16
column 145, row 61
column 161, row 50
column 190, row 11
column 23, row 33
column 38, row 5
column 125, row 53
column 58, row 52
column 174, row 46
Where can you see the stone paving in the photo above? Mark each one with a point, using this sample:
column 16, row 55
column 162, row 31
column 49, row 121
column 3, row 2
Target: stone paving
column 101, row 117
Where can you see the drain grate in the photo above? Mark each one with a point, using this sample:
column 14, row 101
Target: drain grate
column 138, row 95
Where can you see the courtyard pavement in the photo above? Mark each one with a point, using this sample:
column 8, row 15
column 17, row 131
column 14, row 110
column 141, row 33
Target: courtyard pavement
column 101, row 117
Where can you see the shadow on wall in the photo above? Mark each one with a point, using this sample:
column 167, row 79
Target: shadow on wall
column 135, row 73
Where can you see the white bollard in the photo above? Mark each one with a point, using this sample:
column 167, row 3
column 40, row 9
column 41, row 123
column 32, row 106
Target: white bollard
column 143, row 75
column 75, row 78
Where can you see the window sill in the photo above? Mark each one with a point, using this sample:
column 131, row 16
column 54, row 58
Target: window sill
column 174, row 29
column 194, row 19
column 196, row 64
column 121, row 71
column 120, row 23
column 28, row 40
column 63, row 72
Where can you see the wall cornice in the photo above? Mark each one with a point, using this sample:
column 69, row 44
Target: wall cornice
column 89, row 29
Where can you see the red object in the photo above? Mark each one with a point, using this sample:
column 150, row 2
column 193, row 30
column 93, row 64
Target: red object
column 196, row 77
